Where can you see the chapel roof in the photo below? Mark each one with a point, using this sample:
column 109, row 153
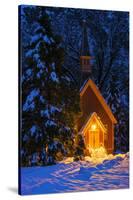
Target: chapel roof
column 96, row 91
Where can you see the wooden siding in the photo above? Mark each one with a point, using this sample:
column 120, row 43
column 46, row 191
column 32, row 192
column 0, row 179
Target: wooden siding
column 89, row 103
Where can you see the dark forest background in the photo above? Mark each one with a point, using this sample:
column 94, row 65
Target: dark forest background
column 50, row 47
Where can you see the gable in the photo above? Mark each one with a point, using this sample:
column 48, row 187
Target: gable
column 93, row 118
column 90, row 84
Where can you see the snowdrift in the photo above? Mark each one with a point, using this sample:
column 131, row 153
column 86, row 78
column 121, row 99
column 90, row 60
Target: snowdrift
column 109, row 172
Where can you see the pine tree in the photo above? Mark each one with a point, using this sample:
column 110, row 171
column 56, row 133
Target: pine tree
column 114, row 100
column 50, row 100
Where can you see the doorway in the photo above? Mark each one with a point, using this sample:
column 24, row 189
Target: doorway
column 94, row 139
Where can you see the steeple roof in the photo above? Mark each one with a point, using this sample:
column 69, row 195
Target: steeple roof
column 84, row 45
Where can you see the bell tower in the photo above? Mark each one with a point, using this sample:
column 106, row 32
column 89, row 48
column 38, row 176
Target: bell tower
column 85, row 57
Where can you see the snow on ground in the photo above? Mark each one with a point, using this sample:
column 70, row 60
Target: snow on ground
column 112, row 172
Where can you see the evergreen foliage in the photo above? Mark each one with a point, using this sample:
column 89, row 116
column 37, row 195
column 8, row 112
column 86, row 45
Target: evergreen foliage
column 79, row 148
column 50, row 50
column 120, row 110
column 50, row 99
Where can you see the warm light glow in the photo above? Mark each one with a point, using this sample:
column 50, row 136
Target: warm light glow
column 93, row 127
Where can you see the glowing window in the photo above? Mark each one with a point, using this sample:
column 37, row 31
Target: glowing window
column 93, row 127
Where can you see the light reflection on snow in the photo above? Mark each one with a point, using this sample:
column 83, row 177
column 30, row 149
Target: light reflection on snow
column 111, row 173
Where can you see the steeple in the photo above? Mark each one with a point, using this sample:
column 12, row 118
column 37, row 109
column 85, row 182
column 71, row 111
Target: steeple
column 84, row 44
column 85, row 55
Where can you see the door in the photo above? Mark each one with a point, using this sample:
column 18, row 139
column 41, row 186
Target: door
column 94, row 139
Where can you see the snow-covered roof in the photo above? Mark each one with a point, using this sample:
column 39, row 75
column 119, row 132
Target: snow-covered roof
column 81, row 88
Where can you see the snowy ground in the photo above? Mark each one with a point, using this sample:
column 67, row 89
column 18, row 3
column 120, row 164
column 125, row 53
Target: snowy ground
column 110, row 172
